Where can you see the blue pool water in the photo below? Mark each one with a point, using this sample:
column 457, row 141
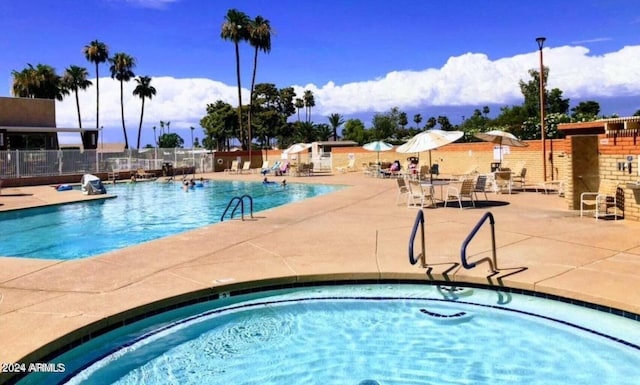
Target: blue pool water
column 387, row 333
column 141, row 212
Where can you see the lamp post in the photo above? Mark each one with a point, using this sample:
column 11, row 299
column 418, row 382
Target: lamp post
column 193, row 153
column 540, row 41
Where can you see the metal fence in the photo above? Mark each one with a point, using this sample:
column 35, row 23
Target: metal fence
column 29, row 163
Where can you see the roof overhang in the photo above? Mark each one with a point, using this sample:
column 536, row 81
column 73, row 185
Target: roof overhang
column 601, row 126
column 44, row 129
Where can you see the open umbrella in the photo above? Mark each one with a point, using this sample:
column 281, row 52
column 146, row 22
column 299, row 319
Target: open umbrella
column 501, row 138
column 429, row 140
column 378, row 146
column 296, row 148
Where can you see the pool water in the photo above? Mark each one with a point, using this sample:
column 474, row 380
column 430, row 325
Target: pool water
column 364, row 334
column 141, row 212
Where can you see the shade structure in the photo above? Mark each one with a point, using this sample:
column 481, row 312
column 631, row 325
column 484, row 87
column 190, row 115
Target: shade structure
column 429, row 140
column 501, row 138
column 378, row 146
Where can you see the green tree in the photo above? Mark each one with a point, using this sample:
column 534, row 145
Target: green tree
column 97, row 52
column 335, row 120
column 385, row 125
column 235, row 29
column 260, row 40
column 417, row 119
column 299, row 103
column 585, row 111
column 354, row 130
column 431, row 123
column 75, row 78
column 403, row 120
column 309, row 102
column 122, row 70
column 171, row 141
column 323, row 131
column 220, row 125
column 144, row 90
column 637, row 113
column 41, row 81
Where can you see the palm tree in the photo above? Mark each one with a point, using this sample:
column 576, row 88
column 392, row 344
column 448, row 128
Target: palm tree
column 309, row 101
column 144, row 90
column 38, row 82
column 96, row 52
column 75, row 78
column 235, row 29
column 417, row 118
column 121, row 70
column 260, row 39
column 336, row 121
column 299, row 103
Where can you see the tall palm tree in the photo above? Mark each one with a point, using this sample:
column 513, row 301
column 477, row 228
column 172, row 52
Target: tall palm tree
column 122, row 70
column 96, row 52
column 309, row 101
column 260, row 40
column 235, row 29
column 335, row 120
column 299, row 104
column 144, row 90
column 75, row 78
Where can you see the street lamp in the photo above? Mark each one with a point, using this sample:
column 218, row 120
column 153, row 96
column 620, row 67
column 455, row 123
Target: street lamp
column 540, row 41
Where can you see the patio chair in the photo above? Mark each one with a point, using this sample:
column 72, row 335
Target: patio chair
column 418, row 194
column 403, row 189
column 466, row 190
column 519, row 177
column 141, row 173
column 608, row 196
column 481, row 186
column 502, row 181
column 265, row 166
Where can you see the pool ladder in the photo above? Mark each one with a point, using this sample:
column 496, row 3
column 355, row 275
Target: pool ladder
column 239, row 201
column 419, row 223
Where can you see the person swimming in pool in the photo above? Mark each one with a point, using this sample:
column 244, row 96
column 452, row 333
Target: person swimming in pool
column 284, row 183
column 267, row 181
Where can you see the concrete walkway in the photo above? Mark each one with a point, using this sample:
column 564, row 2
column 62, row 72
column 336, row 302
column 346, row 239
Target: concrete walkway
column 356, row 233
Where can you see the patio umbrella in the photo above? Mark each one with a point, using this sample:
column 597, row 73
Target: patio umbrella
column 378, row 146
column 429, row 140
column 501, row 138
column 296, row 148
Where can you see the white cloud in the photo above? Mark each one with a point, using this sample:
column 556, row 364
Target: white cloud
column 469, row 79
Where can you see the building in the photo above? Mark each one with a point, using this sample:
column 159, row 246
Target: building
column 30, row 124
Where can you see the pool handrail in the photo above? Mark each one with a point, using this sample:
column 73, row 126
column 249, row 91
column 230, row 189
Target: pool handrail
column 463, row 248
column 422, row 256
column 239, row 202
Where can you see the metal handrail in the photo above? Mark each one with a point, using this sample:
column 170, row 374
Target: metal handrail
column 239, row 202
column 463, row 249
column 422, row 257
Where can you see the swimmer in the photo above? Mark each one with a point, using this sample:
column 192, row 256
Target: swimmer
column 284, row 183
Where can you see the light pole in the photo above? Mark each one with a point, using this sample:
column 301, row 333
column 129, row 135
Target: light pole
column 193, row 153
column 540, row 41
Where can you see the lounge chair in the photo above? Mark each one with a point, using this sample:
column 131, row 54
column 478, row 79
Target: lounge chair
column 274, row 168
column 519, row 177
column 263, row 168
column 246, row 168
column 502, row 181
column 233, row 169
column 142, row 174
column 284, row 169
column 349, row 167
column 466, row 190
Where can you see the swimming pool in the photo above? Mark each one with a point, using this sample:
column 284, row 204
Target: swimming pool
column 141, row 212
column 387, row 333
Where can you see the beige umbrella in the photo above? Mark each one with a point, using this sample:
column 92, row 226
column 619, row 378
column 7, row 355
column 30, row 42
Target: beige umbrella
column 429, row 140
column 296, row 148
column 501, row 138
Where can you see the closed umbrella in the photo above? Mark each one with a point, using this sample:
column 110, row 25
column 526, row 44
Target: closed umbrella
column 378, row 146
column 429, row 140
column 501, row 138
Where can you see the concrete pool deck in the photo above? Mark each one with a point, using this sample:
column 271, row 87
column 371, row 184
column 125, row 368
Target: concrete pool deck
column 356, row 233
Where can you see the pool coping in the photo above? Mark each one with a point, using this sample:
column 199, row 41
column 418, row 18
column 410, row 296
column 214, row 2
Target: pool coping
column 357, row 233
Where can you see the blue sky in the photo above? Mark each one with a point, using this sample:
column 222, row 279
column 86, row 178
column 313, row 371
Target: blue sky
column 359, row 57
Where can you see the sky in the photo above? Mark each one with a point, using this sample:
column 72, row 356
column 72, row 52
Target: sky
column 358, row 57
